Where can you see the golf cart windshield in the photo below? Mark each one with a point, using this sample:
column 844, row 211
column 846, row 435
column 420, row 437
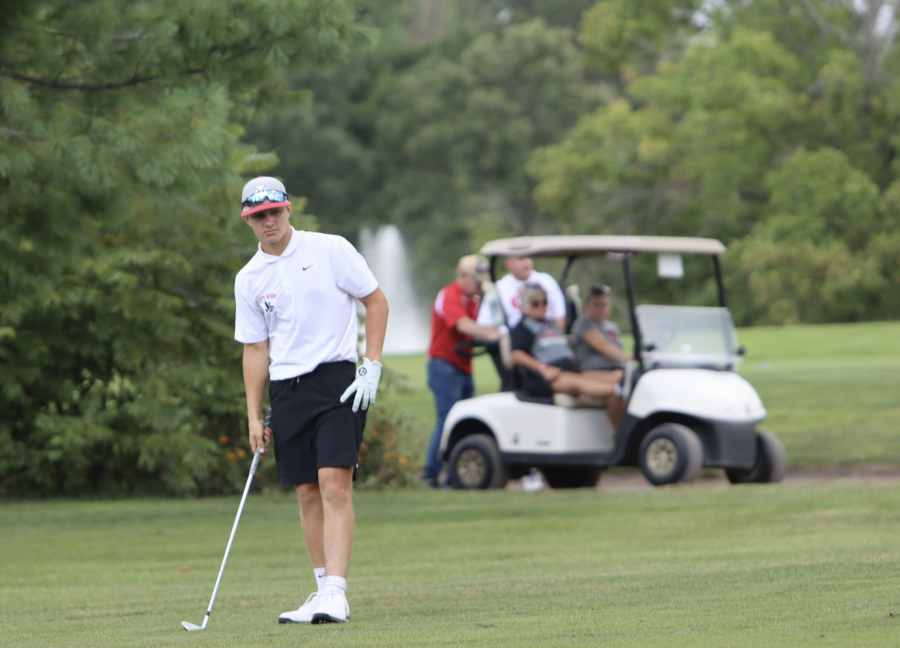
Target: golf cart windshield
column 685, row 336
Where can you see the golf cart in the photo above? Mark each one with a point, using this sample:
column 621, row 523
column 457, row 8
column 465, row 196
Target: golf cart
column 687, row 408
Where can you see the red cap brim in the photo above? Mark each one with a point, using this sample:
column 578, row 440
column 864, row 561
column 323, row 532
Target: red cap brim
column 264, row 206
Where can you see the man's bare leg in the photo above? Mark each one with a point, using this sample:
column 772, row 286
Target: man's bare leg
column 615, row 408
column 336, row 487
column 604, row 376
column 312, row 521
column 578, row 384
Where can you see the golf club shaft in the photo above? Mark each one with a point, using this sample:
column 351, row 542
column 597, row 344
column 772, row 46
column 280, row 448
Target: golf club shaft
column 231, row 538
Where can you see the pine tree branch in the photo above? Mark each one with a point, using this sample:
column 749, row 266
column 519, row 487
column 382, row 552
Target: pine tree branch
column 14, row 133
column 56, row 84
column 133, row 81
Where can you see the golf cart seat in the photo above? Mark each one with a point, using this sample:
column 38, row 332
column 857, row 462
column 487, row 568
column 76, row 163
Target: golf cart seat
column 561, row 400
column 567, row 400
column 574, row 305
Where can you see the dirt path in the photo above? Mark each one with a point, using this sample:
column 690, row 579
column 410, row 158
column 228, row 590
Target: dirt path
column 634, row 480
column 622, row 480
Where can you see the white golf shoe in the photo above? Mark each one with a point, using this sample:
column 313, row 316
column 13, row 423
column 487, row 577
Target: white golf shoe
column 303, row 614
column 331, row 607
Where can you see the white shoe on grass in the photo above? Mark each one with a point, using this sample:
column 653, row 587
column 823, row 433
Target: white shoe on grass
column 303, row 614
column 331, row 607
column 532, row 481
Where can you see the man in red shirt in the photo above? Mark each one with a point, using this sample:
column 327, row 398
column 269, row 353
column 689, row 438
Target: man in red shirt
column 450, row 374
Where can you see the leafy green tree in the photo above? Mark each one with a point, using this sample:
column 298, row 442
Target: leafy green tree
column 434, row 133
column 120, row 162
column 771, row 125
column 454, row 137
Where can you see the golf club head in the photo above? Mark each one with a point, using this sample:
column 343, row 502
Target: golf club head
column 190, row 626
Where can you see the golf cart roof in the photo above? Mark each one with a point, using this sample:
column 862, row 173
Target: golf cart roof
column 565, row 246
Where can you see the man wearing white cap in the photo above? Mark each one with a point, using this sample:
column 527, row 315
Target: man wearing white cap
column 296, row 316
column 450, row 374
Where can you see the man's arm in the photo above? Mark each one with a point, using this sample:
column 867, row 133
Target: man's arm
column 601, row 345
column 468, row 326
column 376, row 304
column 365, row 385
column 525, row 359
column 256, row 372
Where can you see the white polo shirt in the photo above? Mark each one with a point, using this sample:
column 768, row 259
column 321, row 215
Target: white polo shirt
column 303, row 302
column 509, row 290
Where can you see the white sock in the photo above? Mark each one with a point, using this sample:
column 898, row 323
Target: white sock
column 320, row 577
column 337, row 582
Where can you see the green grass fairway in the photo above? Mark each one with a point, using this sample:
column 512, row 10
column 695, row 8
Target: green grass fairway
column 830, row 390
column 690, row 566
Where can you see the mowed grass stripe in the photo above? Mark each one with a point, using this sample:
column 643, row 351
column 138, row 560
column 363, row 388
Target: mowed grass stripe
column 685, row 566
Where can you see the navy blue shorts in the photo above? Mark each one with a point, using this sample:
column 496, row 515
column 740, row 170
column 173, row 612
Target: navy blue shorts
column 534, row 383
column 311, row 427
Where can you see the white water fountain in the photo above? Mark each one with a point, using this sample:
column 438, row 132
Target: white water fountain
column 408, row 323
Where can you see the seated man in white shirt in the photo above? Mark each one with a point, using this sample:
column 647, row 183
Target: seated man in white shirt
column 509, row 291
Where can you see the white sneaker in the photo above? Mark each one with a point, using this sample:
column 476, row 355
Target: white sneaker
column 303, row 614
column 331, row 607
column 532, row 481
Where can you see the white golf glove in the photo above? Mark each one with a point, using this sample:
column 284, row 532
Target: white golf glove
column 365, row 385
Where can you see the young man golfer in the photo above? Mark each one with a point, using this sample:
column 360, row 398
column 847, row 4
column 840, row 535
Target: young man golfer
column 296, row 316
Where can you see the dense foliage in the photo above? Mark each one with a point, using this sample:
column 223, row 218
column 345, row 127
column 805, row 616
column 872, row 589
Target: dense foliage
column 771, row 125
column 126, row 129
column 120, row 170
column 432, row 130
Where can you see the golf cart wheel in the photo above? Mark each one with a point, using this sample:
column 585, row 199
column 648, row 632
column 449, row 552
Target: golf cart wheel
column 573, row 477
column 475, row 463
column 671, row 453
column 770, row 464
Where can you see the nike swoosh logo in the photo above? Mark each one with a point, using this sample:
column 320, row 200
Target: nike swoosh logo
column 308, row 267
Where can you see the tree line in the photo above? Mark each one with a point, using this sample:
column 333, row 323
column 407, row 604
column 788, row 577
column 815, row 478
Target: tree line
column 127, row 130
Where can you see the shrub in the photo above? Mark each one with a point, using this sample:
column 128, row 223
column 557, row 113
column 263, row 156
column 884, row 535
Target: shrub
column 381, row 465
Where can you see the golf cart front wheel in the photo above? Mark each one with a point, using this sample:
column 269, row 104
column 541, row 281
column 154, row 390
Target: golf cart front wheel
column 671, row 453
column 770, row 464
column 475, row 463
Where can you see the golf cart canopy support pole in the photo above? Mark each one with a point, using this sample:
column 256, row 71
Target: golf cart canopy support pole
column 719, row 283
column 635, row 329
column 564, row 277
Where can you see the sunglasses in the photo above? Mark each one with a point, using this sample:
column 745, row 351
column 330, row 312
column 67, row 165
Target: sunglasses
column 264, row 195
column 538, row 302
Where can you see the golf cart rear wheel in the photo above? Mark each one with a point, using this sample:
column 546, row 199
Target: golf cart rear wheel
column 770, row 464
column 475, row 463
column 573, row 477
column 671, row 453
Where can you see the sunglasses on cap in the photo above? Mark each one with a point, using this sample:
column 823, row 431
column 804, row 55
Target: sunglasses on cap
column 264, row 195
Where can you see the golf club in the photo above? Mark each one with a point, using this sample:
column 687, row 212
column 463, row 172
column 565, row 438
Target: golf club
column 187, row 624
